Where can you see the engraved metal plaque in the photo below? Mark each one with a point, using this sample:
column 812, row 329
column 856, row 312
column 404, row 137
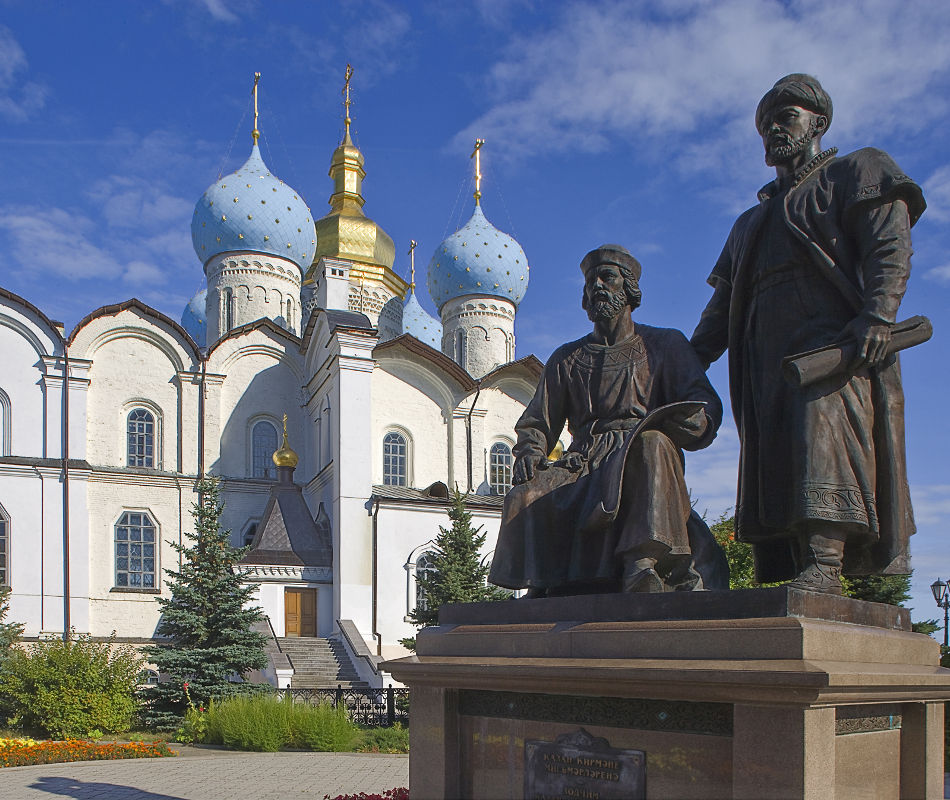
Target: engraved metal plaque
column 578, row 766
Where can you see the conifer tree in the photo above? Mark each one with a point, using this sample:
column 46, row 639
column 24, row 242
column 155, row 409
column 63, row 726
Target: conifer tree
column 458, row 574
column 207, row 619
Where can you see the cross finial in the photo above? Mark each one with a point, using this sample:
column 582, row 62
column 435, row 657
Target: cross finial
column 255, row 134
column 346, row 101
column 285, row 427
column 478, row 171
column 412, row 264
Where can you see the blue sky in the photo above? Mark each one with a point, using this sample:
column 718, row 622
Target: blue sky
column 627, row 122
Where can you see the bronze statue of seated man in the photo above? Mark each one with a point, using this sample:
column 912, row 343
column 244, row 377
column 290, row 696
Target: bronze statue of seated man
column 614, row 513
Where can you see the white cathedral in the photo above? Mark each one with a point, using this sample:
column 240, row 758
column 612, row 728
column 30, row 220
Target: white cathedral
column 104, row 430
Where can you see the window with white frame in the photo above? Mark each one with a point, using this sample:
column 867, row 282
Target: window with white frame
column 249, row 534
column 461, row 348
column 263, row 446
column 395, row 460
column 136, row 554
column 140, row 428
column 5, row 426
column 4, row 548
column 499, row 468
column 424, row 569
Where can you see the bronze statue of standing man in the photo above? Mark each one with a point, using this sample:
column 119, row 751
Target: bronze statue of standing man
column 823, row 258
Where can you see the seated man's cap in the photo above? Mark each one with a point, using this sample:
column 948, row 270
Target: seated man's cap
column 615, row 254
column 797, row 89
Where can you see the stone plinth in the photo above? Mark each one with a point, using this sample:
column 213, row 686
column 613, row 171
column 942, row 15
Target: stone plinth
column 761, row 693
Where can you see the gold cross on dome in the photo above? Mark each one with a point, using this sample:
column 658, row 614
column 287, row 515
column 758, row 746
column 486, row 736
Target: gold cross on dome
column 478, row 171
column 255, row 134
column 412, row 263
column 346, row 98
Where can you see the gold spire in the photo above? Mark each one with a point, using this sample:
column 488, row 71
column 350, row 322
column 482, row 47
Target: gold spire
column 478, row 169
column 255, row 134
column 346, row 104
column 285, row 457
column 346, row 232
column 412, row 265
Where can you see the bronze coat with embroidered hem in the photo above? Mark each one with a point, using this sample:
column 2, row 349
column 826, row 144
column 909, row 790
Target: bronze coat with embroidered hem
column 828, row 244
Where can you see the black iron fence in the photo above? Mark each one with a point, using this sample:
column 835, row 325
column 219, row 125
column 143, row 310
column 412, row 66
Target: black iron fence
column 373, row 708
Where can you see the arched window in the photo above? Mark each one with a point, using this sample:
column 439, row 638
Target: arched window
column 499, row 468
column 395, row 460
column 249, row 535
column 461, row 349
column 136, row 556
column 5, row 427
column 228, row 303
column 263, row 445
column 141, row 438
column 4, row 548
column 424, row 569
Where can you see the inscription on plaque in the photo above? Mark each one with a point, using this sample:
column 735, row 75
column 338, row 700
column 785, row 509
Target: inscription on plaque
column 578, row 766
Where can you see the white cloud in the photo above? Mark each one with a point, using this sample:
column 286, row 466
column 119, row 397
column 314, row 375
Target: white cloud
column 684, row 77
column 937, row 191
column 140, row 273
column 931, row 505
column 939, row 274
column 19, row 98
column 56, row 242
column 711, row 474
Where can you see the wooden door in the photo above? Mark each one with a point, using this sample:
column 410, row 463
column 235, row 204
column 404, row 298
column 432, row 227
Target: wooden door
column 300, row 612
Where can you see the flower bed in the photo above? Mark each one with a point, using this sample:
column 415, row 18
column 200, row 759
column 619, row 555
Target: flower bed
column 25, row 752
column 401, row 793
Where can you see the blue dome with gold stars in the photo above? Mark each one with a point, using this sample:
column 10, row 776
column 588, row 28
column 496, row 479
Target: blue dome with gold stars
column 420, row 323
column 193, row 318
column 478, row 259
column 251, row 209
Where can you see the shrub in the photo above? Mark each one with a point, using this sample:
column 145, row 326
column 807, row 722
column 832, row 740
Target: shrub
column 266, row 723
column 384, row 740
column 71, row 687
column 323, row 728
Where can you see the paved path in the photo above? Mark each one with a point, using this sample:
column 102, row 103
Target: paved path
column 199, row 774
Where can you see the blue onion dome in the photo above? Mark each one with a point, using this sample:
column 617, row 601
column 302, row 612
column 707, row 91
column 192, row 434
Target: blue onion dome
column 193, row 318
column 478, row 259
column 417, row 321
column 251, row 209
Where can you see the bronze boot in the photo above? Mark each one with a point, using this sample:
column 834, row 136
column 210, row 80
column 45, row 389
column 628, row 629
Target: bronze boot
column 640, row 575
column 822, row 564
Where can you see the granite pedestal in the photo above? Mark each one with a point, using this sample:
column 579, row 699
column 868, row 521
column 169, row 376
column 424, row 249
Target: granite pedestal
column 762, row 693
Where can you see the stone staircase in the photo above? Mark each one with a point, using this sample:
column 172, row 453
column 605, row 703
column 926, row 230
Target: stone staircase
column 319, row 663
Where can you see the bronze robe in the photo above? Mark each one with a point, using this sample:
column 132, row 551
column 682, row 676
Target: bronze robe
column 567, row 528
column 829, row 244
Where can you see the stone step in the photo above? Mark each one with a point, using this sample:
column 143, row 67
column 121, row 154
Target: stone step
column 319, row 664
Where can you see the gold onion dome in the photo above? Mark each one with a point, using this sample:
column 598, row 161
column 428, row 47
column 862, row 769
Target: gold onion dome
column 346, row 232
column 285, row 457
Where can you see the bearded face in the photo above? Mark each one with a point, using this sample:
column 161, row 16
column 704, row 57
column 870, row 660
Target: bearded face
column 605, row 293
column 789, row 134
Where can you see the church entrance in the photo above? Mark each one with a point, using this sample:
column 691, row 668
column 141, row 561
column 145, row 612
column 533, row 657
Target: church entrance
column 300, row 612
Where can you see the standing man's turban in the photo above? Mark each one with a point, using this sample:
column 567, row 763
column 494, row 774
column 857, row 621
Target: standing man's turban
column 796, row 90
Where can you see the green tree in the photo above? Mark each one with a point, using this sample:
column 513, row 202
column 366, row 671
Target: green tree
column 69, row 687
column 10, row 632
column 207, row 620
column 738, row 554
column 458, row 573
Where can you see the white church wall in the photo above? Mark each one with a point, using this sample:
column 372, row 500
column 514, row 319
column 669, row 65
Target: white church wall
column 403, row 532
column 136, row 361
column 262, row 376
column 25, row 342
column 167, row 499
column 418, row 412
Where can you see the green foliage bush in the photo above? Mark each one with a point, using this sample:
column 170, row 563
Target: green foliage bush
column 384, row 740
column 265, row 723
column 72, row 687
